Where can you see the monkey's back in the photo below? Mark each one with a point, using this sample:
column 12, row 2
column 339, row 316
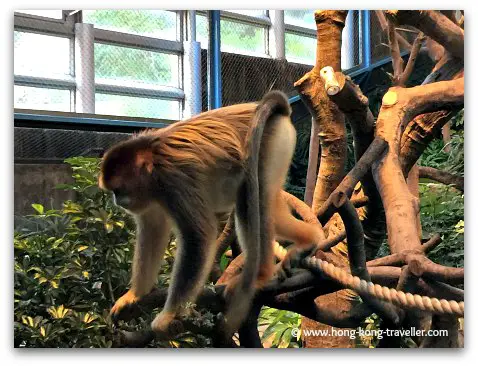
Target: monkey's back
column 210, row 139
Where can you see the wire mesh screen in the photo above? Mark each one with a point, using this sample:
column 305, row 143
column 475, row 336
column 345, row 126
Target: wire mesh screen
column 247, row 78
column 39, row 144
column 379, row 36
column 351, row 41
column 248, row 73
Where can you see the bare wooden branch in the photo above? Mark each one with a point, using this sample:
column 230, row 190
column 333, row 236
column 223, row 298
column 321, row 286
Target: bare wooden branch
column 426, row 127
column 397, row 61
column 431, row 243
column 412, row 59
column 442, row 177
column 345, row 188
column 354, row 105
column 384, row 25
column 450, row 14
column 328, row 243
column 435, row 25
column 398, row 108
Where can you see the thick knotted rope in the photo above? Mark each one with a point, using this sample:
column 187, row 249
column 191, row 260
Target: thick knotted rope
column 399, row 298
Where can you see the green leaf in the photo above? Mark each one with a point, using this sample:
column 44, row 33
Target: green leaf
column 119, row 224
column 38, row 208
column 109, row 227
column 285, row 338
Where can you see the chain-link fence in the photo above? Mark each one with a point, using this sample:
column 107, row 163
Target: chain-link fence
column 55, row 145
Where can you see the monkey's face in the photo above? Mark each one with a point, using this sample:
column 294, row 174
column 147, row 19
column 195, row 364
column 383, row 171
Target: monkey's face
column 129, row 192
column 131, row 183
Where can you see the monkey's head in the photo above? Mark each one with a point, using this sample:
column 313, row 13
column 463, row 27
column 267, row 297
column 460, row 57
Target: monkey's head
column 126, row 171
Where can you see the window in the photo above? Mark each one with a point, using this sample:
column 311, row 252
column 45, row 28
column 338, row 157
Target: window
column 202, row 30
column 236, row 36
column 300, row 39
column 242, row 37
column 132, row 106
column 41, row 55
column 351, row 41
column 300, row 48
column 301, row 18
column 41, row 98
column 152, row 23
column 134, row 65
column 135, row 77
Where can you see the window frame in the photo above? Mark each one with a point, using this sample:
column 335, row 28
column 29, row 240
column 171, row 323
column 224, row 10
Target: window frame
column 262, row 21
column 65, row 27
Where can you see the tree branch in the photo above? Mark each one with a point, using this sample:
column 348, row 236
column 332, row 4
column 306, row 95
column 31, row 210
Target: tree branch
column 329, row 121
column 397, row 62
column 434, row 25
column 417, row 44
column 384, row 25
column 442, row 177
column 426, row 127
column 351, row 101
column 398, row 108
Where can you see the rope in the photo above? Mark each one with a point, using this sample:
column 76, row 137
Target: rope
column 399, row 298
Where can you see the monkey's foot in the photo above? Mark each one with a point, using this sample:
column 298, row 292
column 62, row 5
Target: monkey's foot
column 125, row 308
column 166, row 326
column 231, row 286
column 292, row 261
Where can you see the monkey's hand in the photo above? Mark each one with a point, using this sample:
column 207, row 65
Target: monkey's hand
column 292, row 260
column 166, row 326
column 125, row 308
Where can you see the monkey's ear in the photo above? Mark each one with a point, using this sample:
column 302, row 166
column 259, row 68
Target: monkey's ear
column 101, row 182
column 144, row 158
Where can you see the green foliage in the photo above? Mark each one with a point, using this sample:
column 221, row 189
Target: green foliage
column 69, row 266
column 442, row 211
column 453, row 161
column 371, row 325
column 280, row 328
column 442, row 207
column 72, row 264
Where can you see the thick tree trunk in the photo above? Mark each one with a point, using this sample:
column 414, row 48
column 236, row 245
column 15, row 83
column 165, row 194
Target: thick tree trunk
column 329, row 127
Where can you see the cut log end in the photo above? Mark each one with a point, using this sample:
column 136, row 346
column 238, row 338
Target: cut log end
column 390, row 98
column 332, row 85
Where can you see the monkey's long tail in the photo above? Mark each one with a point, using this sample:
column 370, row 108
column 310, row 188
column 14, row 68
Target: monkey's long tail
column 257, row 237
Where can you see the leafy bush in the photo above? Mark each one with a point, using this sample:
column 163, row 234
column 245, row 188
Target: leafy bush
column 70, row 266
column 442, row 207
column 279, row 325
